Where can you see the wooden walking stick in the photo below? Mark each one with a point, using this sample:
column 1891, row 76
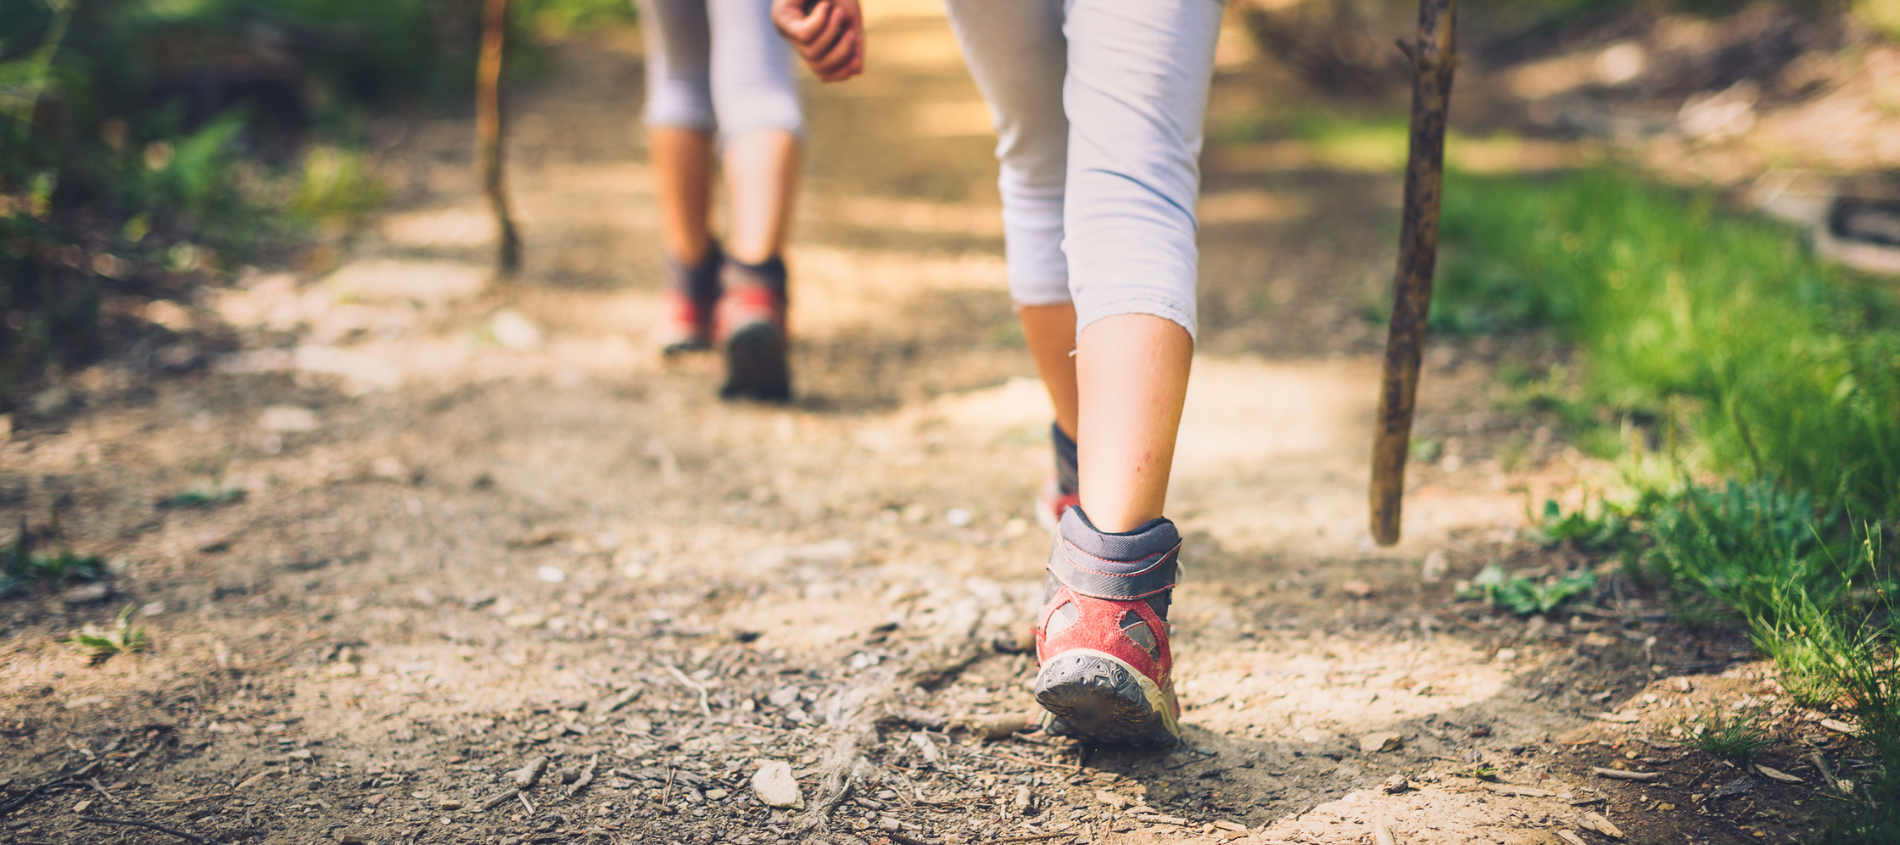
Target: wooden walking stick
column 488, row 134
column 1434, row 59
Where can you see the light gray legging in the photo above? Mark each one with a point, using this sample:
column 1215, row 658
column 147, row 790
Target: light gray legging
column 1098, row 107
column 718, row 65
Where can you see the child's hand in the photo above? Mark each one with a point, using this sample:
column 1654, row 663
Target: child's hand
column 829, row 34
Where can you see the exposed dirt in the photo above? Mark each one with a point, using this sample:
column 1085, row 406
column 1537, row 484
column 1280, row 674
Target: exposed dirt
column 483, row 524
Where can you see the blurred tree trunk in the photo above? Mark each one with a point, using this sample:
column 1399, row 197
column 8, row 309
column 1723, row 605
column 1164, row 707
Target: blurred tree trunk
column 488, row 132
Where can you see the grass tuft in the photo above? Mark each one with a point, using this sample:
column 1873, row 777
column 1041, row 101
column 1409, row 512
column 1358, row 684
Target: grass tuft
column 1733, row 736
column 101, row 644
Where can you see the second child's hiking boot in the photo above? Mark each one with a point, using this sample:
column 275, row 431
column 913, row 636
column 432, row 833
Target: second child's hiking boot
column 692, row 292
column 750, row 326
column 1104, row 662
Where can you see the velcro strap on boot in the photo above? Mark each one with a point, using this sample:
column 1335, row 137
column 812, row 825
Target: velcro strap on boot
column 1086, row 574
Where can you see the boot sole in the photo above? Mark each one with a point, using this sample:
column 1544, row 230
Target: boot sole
column 1098, row 696
column 755, row 364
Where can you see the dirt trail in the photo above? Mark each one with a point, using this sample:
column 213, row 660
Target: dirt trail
column 485, row 524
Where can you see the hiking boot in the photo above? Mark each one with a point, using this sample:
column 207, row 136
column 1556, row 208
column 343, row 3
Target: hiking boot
column 750, row 326
column 692, row 294
column 1052, row 501
column 1105, row 666
column 1062, row 490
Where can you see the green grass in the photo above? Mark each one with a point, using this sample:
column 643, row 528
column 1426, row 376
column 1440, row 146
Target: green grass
column 1735, row 736
column 1715, row 328
column 1712, row 345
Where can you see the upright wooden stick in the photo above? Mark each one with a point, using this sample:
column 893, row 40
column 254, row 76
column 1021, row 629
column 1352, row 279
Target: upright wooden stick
column 1434, row 59
column 488, row 126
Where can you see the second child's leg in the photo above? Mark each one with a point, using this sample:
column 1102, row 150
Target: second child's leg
column 761, row 183
column 757, row 103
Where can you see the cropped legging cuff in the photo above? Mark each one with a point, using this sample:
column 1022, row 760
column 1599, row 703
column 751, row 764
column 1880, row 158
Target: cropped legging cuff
column 1098, row 107
column 718, row 66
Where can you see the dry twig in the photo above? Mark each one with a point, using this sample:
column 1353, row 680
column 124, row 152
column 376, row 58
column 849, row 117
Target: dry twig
column 149, row 826
column 694, row 686
column 21, row 801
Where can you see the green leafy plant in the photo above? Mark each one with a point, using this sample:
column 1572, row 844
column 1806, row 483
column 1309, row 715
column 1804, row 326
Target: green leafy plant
column 1524, row 596
column 101, row 644
column 1481, row 771
column 1603, row 527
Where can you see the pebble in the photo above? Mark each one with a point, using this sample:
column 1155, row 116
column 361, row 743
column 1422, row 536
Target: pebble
column 959, row 517
column 783, row 696
column 775, row 786
column 1434, row 568
column 1380, row 741
column 1021, row 801
column 514, row 331
column 87, row 593
column 551, row 574
column 286, row 418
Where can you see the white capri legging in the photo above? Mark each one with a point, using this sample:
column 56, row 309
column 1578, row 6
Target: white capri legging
column 718, row 65
column 1098, row 107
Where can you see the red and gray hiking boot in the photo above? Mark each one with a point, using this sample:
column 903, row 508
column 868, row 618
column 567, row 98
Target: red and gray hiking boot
column 1061, row 491
column 692, row 293
column 1052, row 502
column 1102, row 639
column 750, row 326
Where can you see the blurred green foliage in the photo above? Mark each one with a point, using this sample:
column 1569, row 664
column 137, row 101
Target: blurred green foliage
column 145, row 141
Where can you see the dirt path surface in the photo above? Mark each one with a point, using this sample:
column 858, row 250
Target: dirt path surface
column 484, row 525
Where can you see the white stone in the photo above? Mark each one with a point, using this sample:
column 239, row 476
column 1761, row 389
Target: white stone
column 775, row 786
column 514, row 331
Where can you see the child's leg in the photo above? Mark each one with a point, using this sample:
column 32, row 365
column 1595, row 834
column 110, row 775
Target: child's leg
column 679, row 118
column 756, row 99
column 1135, row 94
column 761, row 184
column 1016, row 54
column 1049, row 332
column 1132, row 372
column 681, row 160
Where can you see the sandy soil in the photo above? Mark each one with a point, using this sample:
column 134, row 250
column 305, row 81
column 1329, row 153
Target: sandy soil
column 483, row 524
